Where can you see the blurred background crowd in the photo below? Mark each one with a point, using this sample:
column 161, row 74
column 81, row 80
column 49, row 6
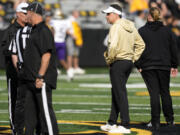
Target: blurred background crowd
column 90, row 12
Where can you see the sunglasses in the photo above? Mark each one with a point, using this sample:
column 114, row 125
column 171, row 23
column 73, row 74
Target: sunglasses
column 25, row 13
column 108, row 14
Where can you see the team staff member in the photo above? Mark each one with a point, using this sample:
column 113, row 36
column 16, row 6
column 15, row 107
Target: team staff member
column 11, row 73
column 19, row 45
column 40, row 71
column 156, row 63
column 125, row 46
column 74, row 44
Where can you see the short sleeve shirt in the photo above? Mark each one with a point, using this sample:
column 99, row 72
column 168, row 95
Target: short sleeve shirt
column 40, row 42
column 60, row 26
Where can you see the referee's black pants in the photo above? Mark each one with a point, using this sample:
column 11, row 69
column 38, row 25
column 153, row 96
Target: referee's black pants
column 39, row 104
column 157, row 82
column 12, row 84
column 12, row 96
column 20, row 107
column 119, row 73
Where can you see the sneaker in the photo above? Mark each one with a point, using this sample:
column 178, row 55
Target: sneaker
column 155, row 126
column 58, row 71
column 70, row 73
column 170, row 123
column 149, row 124
column 120, row 129
column 79, row 71
column 108, row 127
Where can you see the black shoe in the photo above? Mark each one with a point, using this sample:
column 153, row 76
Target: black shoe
column 13, row 132
column 124, row 124
column 170, row 123
column 155, row 126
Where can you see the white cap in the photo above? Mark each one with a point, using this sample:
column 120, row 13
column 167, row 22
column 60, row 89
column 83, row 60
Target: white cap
column 177, row 1
column 112, row 10
column 22, row 7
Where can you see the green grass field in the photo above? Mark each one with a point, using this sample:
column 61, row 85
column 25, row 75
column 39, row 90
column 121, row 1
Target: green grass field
column 88, row 97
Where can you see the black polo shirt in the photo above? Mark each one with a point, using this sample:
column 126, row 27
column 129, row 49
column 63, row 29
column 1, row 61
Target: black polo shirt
column 40, row 42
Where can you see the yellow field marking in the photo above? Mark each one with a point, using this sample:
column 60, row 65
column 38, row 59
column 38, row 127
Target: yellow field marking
column 88, row 123
column 6, row 131
column 145, row 93
column 114, row 134
column 5, row 126
column 85, row 132
column 93, row 123
column 141, row 131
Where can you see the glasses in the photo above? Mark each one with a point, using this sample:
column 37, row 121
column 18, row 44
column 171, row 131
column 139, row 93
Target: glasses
column 108, row 14
column 24, row 13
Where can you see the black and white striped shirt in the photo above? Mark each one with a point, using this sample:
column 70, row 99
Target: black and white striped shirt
column 18, row 43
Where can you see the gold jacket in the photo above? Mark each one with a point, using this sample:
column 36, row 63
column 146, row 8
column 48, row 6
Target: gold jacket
column 124, row 42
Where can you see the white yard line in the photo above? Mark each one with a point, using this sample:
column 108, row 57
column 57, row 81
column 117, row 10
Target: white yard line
column 99, row 76
column 96, row 96
column 76, row 111
column 131, row 108
column 4, row 121
column 107, row 85
column 90, row 76
column 95, row 103
column 2, row 89
column 91, row 90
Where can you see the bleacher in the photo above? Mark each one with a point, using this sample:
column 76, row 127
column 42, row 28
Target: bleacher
column 90, row 11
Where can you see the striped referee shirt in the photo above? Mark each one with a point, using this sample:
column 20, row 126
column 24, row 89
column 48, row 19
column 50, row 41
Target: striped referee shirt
column 18, row 44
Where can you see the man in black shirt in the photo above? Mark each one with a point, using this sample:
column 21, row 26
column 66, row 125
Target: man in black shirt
column 18, row 47
column 11, row 73
column 40, row 71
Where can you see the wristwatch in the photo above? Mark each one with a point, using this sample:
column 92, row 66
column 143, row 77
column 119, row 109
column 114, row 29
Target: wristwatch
column 40, row 76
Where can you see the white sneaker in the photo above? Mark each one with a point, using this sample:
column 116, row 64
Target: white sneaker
column 108, row 127
column 79, row 71
column 120, row 129
column 58, row 71
column 149, row 124
column 70, row 73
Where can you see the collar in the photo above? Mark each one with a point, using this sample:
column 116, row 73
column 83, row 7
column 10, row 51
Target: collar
column 39, row 24
column 117, row 21
column 17, row 24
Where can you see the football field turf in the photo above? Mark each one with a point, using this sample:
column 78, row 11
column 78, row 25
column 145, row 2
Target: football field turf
column 83, row 104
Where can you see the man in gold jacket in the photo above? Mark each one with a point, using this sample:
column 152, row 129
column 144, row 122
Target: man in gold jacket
column 125, row 46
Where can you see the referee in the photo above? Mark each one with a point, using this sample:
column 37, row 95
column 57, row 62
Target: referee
column 40, row 72
column 11, row 73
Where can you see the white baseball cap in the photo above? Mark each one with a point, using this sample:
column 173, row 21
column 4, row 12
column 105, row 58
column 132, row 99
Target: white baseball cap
column 113, row 9
column 177, row 1
column 22, row 7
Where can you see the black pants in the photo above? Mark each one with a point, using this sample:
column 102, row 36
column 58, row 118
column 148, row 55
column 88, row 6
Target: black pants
column 157, row 82
column 39, row 104
column 12, row 96
column 119, row 73
column 20, row 108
